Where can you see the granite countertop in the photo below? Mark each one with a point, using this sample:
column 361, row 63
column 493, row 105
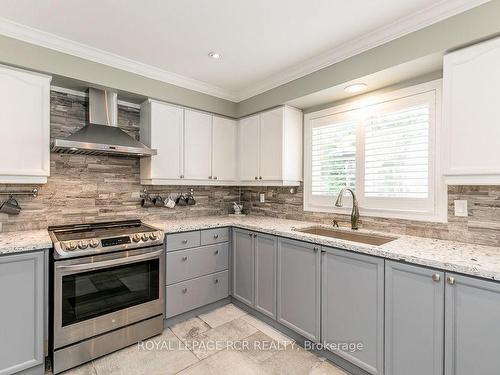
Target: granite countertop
column 22, row 241
column 469, row 259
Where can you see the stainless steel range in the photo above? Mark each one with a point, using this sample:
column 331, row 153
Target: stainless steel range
column 108, row 289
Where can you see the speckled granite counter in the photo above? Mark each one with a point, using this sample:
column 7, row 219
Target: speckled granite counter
column 18, row 242
column 475, row 260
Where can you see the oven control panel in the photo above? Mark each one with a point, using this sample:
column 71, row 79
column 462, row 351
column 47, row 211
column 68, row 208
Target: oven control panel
column 106, row 242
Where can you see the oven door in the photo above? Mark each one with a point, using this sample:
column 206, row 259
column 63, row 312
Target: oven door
column 97, row 294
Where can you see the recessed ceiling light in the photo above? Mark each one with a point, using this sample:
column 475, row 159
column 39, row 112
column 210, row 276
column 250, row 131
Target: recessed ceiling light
column 356, row 87
column 215, row 55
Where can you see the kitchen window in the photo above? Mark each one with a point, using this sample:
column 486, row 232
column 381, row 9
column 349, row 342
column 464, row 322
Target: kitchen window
column 384, row 148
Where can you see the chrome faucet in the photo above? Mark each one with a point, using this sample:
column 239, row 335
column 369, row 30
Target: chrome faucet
column 355, row 208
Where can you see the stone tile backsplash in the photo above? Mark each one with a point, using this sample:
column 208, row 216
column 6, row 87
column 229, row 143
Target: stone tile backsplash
column 99, row 188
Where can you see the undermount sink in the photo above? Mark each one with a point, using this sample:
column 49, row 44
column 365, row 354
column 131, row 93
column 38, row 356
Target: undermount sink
column 371, row 239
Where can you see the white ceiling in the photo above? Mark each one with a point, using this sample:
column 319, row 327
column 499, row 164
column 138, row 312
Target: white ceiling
column 264, row 43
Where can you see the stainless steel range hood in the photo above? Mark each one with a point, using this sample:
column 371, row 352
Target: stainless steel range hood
column 101, row 136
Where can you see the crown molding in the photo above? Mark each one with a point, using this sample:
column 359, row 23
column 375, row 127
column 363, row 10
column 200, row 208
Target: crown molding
column 67, row 46
column 406, row 25
column 423, row 18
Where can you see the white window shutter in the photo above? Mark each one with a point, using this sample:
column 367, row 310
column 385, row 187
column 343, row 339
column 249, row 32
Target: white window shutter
column 397, row 153
column 333, row 158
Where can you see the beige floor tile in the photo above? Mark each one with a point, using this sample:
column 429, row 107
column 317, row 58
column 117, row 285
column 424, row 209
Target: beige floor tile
column 292, row 361
column 260, row 347
column 227, row 335
column 164, row 355
column 190, row 329
column 326, row 368
column 225, row 363
column 268, row 330
column 222, row 315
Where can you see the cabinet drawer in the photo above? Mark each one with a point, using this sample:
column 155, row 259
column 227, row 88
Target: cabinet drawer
column 179, row 241
column 187, row 264
column 217, row 235
column 188, row 295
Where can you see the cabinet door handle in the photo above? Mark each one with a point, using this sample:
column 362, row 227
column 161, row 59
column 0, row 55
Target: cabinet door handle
column 436, row 277
column 181, row 176
column 250, row 234
column 216, row 252
column 451, row 280
column 184, row 241
column 316, row 249
column 256, row 178
column 184, row 290
column 216, row 281
column 260, row 177
column 209, row 177
column 216, row 236
column 184, row 258
column 215, row 177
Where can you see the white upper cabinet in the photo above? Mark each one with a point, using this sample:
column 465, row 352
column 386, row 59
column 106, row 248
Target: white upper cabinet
column 197, row 148
column 162, row 128
column 194, row 148
column 471, row 106
column 224, row 132
column 24, row 126
column 270, row 148
column 197, row 145
column 249, row 148
column 271, row 145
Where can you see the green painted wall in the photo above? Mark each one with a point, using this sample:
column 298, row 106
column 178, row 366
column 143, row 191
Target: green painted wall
column 463, row 29
column 24, row 55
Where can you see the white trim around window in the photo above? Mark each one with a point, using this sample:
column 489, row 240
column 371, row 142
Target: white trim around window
column 424, row 200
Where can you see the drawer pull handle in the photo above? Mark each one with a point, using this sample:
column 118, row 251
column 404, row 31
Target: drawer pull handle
column 436, row 277
column 184, row 258
column 184, row 241
column 184, row 290
column 216, row 236
column 216, row 281
column 216, row 252
column 451, row 280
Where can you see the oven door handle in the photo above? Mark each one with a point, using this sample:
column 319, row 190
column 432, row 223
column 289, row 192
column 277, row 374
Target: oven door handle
column 109, row 263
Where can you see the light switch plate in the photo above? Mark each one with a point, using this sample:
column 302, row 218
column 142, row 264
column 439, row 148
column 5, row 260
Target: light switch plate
column 461, row 208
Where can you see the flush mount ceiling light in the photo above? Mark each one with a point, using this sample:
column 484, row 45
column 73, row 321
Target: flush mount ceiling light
column 215, row 55
column 356, row 87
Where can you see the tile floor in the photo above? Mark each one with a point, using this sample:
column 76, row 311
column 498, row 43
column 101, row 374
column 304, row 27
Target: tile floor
column 223, row 341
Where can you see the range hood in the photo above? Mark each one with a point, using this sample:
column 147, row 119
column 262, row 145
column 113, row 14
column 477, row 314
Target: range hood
column 101, row 136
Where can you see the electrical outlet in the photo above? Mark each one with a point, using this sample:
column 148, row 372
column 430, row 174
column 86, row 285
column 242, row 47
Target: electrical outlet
column 461, row 208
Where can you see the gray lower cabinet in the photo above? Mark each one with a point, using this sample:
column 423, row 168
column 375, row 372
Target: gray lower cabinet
column 196, row 275
column 266, row 255
column 190, row 294
column 243, row 266
column 21, row 311
column 472, row 326
column 353, row 307
column 299, row 278
column 414, row 320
